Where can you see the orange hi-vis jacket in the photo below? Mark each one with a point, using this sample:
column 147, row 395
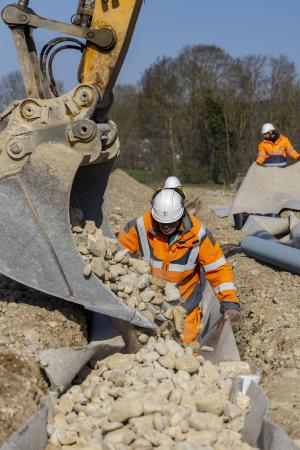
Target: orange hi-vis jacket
column 180, row 261
column 274, row 154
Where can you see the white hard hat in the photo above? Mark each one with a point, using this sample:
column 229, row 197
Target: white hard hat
column 171, row 183
column 167, row 206
column 267, row 127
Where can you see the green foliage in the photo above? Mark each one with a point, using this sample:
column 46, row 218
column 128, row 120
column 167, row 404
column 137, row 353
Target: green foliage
column 143, row 176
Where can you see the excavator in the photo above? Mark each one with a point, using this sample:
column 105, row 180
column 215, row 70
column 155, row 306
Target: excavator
column 57, row 151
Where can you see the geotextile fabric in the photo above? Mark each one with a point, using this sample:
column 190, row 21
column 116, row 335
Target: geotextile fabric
column 268, row 190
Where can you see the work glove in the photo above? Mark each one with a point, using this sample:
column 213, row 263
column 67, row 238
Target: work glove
column 178, row 314
column 230, row 310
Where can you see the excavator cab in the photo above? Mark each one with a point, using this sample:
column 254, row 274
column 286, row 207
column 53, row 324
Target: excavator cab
column 58, row 150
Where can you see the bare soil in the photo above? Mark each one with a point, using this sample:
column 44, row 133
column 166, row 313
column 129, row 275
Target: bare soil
column 126, row 199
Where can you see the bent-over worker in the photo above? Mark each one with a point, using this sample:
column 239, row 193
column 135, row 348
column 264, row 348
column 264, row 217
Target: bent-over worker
column 275, row 148
column 176, row 244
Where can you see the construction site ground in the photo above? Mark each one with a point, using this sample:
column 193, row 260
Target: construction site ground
column 267, row 334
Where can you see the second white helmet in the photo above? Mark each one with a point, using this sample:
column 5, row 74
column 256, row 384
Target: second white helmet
column 167, row 206
column 267, row 127
column 172, row 183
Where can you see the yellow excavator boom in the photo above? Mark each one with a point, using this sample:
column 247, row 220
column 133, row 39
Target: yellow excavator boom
column 101, row 68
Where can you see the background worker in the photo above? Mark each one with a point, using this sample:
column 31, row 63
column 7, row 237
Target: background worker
column 171, row 182
column 275, row 148
column 176, row 245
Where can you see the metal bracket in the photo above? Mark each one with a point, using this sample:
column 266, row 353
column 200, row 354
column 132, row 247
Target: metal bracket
column 45, row 114
column 70, row 104
column 105, row 38
column 17, row 151
column 83, row 131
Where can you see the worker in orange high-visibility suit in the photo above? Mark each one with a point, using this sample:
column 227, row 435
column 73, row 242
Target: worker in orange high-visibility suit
column 275, row 148
column 176, row 244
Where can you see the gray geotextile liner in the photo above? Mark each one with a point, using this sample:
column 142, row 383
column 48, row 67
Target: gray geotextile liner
column 32, row 435
column 221, row 211
column 222, row 342
column 268, row 190
column 260, row 432
column 63, row 364
column 274, row 225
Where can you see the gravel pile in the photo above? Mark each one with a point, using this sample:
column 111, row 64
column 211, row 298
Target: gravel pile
column 162, row 397
column 128, row 278
column 125, row 199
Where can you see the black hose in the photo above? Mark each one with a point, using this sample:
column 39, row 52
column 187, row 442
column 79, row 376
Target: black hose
column 231, row 249
column 48, row 47
column 50, row 62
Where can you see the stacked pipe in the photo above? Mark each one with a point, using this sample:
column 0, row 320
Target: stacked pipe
column 261, row 243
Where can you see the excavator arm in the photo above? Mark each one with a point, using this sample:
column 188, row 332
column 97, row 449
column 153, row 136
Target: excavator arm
column 58, row 150
column 106, row 26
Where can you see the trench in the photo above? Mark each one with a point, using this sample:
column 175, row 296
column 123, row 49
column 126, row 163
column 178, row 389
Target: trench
column 257, row 431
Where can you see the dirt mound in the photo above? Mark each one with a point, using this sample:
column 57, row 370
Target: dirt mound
column 126, row 199
column 21, row 388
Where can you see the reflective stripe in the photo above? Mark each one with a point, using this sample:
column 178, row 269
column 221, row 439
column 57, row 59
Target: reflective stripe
column 290, row 148
column 224, row 287
column 277, row 153
column 202, row 233
column 143, row 239
column 156, row 264
column 282, row 164
column 215, row 265
column 190, row 265
column 262, row 153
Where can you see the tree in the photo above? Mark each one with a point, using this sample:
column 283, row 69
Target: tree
column 126, row 115
column 11, row 88
column 159, row 105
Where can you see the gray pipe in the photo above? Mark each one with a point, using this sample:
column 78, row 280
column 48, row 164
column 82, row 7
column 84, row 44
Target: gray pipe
column 274, row 253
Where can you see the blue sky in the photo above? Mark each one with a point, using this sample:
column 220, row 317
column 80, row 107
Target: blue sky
column 165, row 26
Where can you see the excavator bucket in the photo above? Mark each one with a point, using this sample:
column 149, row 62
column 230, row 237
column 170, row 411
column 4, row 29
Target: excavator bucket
column 37, row 172
column 88, row 194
